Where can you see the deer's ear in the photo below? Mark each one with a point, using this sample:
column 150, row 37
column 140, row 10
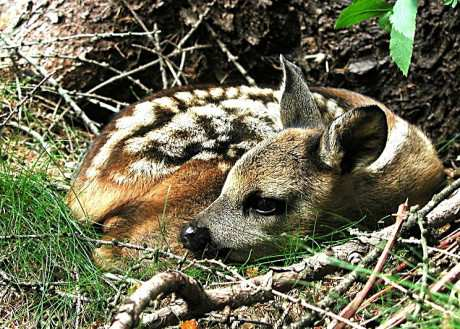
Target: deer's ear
column 355, row 139
column 297, row 106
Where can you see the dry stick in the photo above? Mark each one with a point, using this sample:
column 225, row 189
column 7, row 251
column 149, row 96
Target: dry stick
column 23, row 100
column 138, row 69
column 425, row 263
column 91, row 36
column 351, row 308
column 87, row 121
column 452, row 276
column 443, row 244
column 178, row 50
column 39, row 138
column 119, row 244
column 331, row 298
column 200, row 301
column 231, row 57
column 77, row 303
column 110, row 68
column 85, row 95
column 195, row 25
column 159, row 252
column 156, row 42
column 83, row 59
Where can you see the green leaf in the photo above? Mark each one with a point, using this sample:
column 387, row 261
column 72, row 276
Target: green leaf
column 384, row 22
column 361, row 10
column 402, row 33
column 403, row 17
column 452, row 3
column 401, row 50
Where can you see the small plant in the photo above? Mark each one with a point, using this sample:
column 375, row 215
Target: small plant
column 398, row 19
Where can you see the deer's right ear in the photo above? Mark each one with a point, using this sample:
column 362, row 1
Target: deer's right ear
column 297, row 107
column 355, row 139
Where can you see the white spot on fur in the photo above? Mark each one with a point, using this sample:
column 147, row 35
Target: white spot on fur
column 216, row 92
column 166, row 102
column 205, row 156
column 320, row 100
column 333, row 108
column 247, row 92
column 243, row 104
column 266, row 91
column 277, row 94
column 201, row 93
column 143, row 115
column 184, row 96
column 231, row 92
column 395, row 144
column 209, row 110
column 119, row 178
column 146, row 168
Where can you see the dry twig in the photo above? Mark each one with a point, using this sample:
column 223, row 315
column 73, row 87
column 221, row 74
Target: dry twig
column 42, row 71
column 231, row 57
column 351, row 308
column 452, row 276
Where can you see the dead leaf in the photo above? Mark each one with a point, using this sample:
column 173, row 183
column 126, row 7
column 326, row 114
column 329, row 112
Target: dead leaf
column 189, row 324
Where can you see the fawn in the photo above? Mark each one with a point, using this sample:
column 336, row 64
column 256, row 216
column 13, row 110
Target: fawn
column 234, row 169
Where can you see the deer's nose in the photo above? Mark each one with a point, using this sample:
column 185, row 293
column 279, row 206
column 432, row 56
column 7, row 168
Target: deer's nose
column 195, row 238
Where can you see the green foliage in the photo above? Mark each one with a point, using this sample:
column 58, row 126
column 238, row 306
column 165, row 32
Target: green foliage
column 452, row 3
column 44, row 251
column 361, row 10
column 398, row 19
column 402, row 33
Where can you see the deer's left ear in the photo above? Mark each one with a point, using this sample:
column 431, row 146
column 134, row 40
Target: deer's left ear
column 297, row 107
column 355, row 139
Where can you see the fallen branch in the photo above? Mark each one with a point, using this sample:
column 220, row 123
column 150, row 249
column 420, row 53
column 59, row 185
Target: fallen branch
column 23, row 100
column 92, row 37
column 232, row 58
column 199, row 301
column 42, row 71
column 452, row 276
column 351, row 308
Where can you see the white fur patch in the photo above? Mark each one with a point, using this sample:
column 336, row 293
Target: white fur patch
column 333, row 108
column 224, row 167
column 395, row 143
column 205, row 156
column 320, row 100
column 184, row 96
column 146, row 168
column 231, row 92
column 216, row 92
column 166, row 102
column 143, row 112
column 247, row 91
column 201, row 93
column 143, row 115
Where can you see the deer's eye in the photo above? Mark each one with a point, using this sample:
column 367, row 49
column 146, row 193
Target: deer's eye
column 267, row 206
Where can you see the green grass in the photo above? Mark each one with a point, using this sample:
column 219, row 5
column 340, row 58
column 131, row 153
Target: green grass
column 56, row 262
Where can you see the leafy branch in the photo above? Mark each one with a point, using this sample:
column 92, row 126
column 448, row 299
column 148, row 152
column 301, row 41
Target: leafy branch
column 398, row 19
